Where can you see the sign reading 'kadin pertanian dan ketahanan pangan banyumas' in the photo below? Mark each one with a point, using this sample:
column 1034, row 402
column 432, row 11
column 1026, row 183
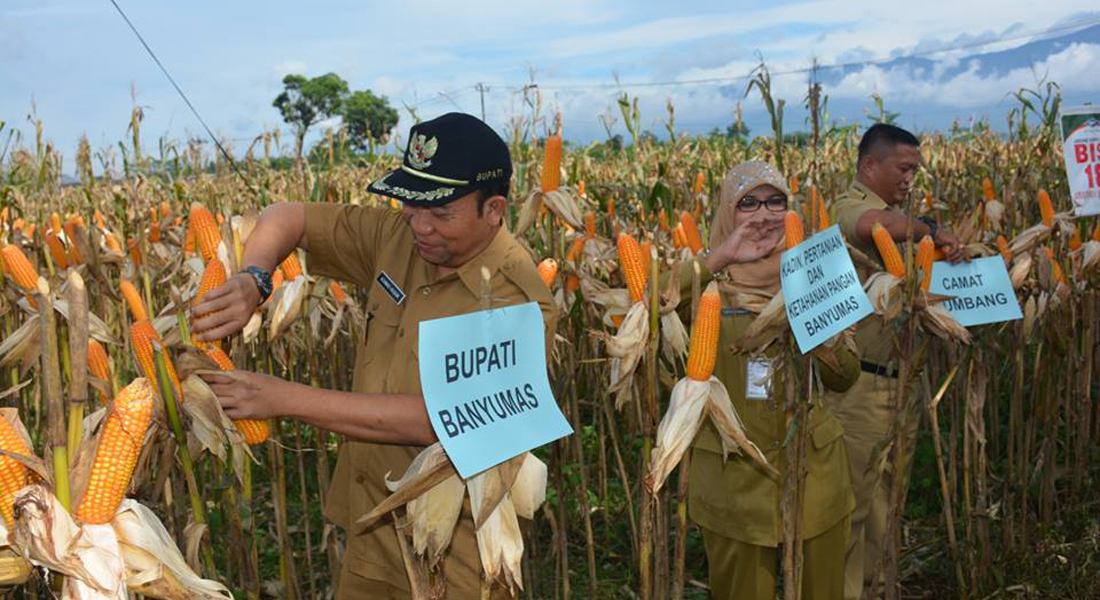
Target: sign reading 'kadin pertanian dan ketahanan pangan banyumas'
column 483, row 376
column 821, row 290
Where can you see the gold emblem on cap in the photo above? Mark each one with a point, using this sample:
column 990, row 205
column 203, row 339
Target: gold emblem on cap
column 421, row 150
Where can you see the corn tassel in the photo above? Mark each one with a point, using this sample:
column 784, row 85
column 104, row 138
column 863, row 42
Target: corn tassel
column 254, row 431
column 133, row 300
column 691, row 232
column 548, row 270
column 20, row 269
column 1046, row 208
column 207, row 235
column 792, row 229
column 13, row 474
column 703, row 347
column 117, row 454
column 926, row 250
column 551, row 164
column 888, row 250
column 634, row 266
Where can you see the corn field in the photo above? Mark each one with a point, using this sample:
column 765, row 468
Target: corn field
column 1002, row 496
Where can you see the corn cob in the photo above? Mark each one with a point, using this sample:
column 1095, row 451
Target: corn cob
column 277, row 279
column 212, row 276
column 926, row 250
column 18, row 223
column 573, row 283
column 154, row 232
column 13, row 474
column 1055, row 268
column 548, row 270
column 792, row 228
column 646, row 246
column 189, row 239
column 337, row 291
column 55, row 223
column 133, row 300
column 57, row 251
column 135, row 252
column 291, row 267
column 97, row 218
column 611, row 209
column 580, row 188
column 254, row 431
column 794, row 185
column 888, row 250
column 112, row 241
column 165, row 212
column 634, row 266
column 928, row 201
column 811, row 210
column 662, row 220
column 20, row 269
column 1006, row 251
column 117, row 453
column 704, row 335
column 1046, row 208
column 590, row 225
column 142, row 336
column 691, row 232
column 551, row 164
column 698, row 187
column 678, row 240
column 207, row 235
column 29, row 231
column 575, row 249
column 98, row 363
column 1075, row 239
column 822, row 215
column 987, row 189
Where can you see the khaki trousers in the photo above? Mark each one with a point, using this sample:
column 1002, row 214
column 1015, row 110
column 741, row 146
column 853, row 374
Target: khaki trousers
column 866, row 411
column 740, row 571
column 356, row 587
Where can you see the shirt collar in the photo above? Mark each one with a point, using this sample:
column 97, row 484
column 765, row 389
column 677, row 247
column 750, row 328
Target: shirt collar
column 870, row 196
column 492, row 258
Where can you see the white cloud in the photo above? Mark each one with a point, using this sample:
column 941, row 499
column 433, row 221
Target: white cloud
column 288, row 67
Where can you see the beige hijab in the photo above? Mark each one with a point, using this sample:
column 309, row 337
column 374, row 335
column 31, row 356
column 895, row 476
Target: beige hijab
column 761, row 276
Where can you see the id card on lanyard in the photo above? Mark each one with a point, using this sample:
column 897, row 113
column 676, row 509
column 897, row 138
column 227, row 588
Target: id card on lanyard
column 758, row 378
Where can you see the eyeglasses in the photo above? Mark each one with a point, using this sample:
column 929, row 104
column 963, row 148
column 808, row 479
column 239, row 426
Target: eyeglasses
column 774, row 204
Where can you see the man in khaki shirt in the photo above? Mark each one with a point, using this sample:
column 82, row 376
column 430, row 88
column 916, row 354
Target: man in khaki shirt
column 888, row 159
column 422, row 262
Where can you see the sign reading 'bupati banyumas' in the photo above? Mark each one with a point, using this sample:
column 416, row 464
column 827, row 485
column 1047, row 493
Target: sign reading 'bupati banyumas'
column 981, row 291
column 821, row 291
column 483, row 376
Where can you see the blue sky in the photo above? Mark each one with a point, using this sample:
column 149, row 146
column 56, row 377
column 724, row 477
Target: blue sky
column 82, row 68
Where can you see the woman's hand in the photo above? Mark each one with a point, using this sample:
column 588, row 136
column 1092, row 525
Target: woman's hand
column 248, row 395
column 752, row 240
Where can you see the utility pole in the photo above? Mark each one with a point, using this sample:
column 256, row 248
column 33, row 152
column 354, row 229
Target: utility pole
column 481, row 89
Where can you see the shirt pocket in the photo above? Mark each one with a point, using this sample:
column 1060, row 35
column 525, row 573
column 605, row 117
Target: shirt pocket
column 380, row 330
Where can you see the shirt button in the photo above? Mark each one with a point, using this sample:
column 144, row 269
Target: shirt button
column 427, row 290
column 360, row 479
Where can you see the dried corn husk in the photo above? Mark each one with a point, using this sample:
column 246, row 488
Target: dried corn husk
column 429, row 468
column 626, row 349
column 500, row 545
column 769, row 324
column 564, row 204
column 529, row 489
column 433, row 517
column 1021, row 267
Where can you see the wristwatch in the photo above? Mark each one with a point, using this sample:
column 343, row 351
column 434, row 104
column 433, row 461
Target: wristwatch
column 932, row 224
column 263, row 281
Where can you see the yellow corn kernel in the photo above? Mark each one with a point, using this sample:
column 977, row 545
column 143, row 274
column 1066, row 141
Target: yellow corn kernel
column 117, row 453
column 692, row 239
column 704, row 335
column 99, row 365
column 13, row 474
column 133, row 300
column 277, row 279
column 206, row 232
column 792, row 229
column 888, row 250
column 634, row 266
column 212, row 276
column 548, row 270
column 926, row 250
column 20, row 269
column 1046, row 208
column 551, row 164
column 142, row 336
column 291, row 267
column 253, row 430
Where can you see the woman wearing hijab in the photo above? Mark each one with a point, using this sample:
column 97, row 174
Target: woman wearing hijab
column 734, row 501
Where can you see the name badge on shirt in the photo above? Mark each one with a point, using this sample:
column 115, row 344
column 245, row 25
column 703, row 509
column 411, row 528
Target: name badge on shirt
column 758, row 378
column 395, row 293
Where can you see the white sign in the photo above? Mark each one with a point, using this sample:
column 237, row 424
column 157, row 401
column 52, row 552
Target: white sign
column 484, row 381
column 981, row 288
column 1081, row 150
column 821, row 290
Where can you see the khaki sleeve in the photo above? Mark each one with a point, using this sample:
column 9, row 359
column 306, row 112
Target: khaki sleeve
column 684, row 271
column 343, row 239
column 841, row 380
column 848, row 211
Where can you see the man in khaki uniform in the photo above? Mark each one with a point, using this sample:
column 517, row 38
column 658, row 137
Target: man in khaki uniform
column 422, row 262
column 888, row 159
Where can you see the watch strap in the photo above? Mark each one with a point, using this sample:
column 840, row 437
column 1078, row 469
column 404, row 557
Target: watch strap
column 263, row 281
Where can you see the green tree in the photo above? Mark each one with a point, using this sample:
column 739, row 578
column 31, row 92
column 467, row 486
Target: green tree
column 304, row 102
column 368, row 117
